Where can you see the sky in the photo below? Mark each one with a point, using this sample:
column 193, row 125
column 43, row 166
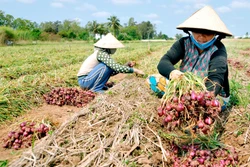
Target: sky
column 164, row 14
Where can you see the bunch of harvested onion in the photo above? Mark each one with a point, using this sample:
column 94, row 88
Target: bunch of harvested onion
column 188, row 105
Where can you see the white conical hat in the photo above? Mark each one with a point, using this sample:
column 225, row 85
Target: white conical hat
column 205, row 18
column 109, row 42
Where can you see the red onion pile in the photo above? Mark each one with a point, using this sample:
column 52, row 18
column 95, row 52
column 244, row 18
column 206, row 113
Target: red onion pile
column 69, row 96
column 194, row 111
column 187, row 105
column 194, row 156
column 24, row 137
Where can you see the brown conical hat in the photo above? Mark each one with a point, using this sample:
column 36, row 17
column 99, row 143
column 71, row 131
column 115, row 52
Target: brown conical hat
column 109, row 42
column 205, row 18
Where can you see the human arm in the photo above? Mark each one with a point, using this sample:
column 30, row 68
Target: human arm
column 132, row 64
column 173, row 56
column 217, row 71
column 106, row 59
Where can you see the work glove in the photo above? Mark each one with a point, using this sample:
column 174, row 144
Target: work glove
column 175, row 74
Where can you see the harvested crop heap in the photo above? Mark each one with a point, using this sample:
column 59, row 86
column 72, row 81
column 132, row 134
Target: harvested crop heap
column 191, row 114
column 25, row 135
column 195, row 155
column 69, row 96
column 187, row 105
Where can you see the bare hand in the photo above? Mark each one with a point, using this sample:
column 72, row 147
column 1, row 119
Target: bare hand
column 140, row 72
column 130, row 63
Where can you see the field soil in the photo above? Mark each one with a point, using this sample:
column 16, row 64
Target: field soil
column 122, row 123
column 54, row 114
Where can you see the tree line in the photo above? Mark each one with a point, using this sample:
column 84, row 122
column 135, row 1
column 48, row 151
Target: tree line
column 22, row 29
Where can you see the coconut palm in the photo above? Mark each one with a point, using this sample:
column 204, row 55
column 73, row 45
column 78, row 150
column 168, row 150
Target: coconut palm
column 102, row 29
column 114, row 24
column 93, row 27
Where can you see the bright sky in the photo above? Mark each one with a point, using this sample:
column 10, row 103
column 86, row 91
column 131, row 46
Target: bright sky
column 165, row 14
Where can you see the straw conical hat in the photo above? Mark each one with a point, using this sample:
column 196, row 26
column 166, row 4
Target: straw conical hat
column 205, row 18
column 109, row 41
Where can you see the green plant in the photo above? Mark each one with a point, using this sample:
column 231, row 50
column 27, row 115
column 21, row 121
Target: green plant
column 6, row 34
column 35, row 34
column 234, row 93
column 209, row 142
column 3, row 163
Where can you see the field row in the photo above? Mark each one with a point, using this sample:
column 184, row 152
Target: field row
column 28, row 72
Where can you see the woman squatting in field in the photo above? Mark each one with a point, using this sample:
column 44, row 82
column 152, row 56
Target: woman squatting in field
column 96, row 70
column 201, row 52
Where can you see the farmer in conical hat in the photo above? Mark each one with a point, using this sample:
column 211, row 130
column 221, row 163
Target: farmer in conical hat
column 96, row 70
column 201, row 52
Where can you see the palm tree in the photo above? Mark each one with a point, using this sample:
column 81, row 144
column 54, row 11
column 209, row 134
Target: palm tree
column 93, row 27
column 102, row 29
column 114, row 24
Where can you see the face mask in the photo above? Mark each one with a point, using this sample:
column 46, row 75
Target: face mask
column 203, row 46
column 112, row 51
